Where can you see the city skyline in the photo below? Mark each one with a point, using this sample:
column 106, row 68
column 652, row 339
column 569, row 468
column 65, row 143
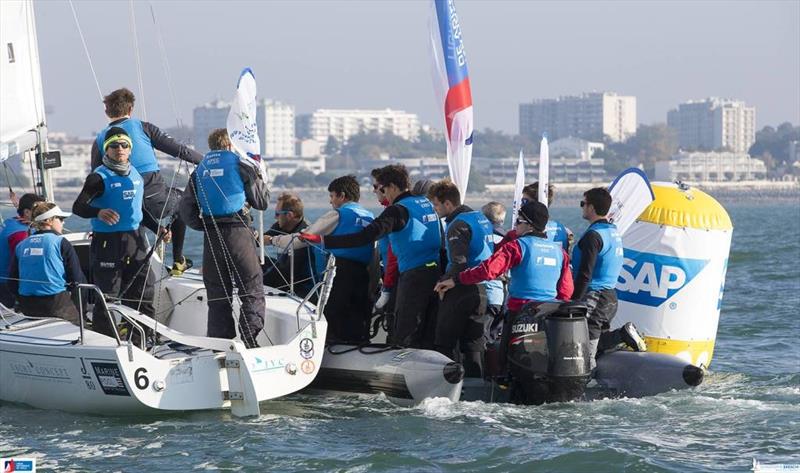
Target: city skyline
column 318, row 55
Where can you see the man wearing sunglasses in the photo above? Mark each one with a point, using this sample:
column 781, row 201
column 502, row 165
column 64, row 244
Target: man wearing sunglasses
column 160, row 202
column 14, row 231
column 415, row 235
column 555, row 230
column 112, row 198
column 216, row 201
column 597, row 261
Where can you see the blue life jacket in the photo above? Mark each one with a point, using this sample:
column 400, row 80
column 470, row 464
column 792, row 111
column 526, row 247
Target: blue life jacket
column 495, row 293
column 609, row 261
column 11, row 226
column 123, row 194
column 481, row 245
column 383, row 249
column 41, row 267
column 536, row 276
column 418, row 243
column 218, row 185
column 143, row 156
column 558, row 233
column 352, row 219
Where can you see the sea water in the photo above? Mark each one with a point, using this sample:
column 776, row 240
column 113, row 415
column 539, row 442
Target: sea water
column 748, row 406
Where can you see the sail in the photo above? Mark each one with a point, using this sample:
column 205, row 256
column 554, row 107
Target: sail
column 21, row 94
column 241, row 123
column 519, row 184
column 631, row 194
column 544, row 171
column 451, row 85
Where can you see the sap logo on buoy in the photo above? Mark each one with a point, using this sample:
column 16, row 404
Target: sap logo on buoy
column 651, row 279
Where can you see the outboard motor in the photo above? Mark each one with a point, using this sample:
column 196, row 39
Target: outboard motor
column 548, row 353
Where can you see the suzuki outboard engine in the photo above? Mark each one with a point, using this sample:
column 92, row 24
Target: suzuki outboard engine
column 548, row 353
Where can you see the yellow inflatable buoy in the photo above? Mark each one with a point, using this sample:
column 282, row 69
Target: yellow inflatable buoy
column 672, row 280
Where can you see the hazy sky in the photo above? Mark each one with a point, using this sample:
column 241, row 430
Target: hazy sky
column 374, row 54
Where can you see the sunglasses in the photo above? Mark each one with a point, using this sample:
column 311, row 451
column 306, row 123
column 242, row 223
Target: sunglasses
column 521, row 221
column 583, row 203
column 62, row 218
column 278, row 213
column 119, row 144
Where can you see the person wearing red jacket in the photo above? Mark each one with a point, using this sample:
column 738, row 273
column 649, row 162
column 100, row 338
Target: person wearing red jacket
column 539, row 267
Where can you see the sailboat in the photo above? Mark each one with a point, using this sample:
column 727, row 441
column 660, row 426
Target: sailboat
column 52, row 364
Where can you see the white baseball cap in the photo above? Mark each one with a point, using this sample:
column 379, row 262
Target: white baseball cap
column 54, row 212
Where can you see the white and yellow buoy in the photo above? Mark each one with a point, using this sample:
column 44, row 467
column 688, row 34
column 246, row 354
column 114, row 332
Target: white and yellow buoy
column 672, row 280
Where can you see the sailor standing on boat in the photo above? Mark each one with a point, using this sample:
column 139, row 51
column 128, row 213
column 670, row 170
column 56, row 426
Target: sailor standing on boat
column 348, row 306
column 112, row 198
column 414, row 233
column 461, row 322
column 43, row 265
column 597, row 259
column 495, row 212
column 539, row 267
column 159, row 200
column 14, row 231
column 216, row 202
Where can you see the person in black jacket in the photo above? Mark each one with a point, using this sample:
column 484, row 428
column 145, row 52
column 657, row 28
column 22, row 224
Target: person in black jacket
column 217, row 201
column 160, row 201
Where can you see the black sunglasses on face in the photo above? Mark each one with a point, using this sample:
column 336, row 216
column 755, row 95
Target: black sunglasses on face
column 119, row 144
column 583, row 203
column 521, row 221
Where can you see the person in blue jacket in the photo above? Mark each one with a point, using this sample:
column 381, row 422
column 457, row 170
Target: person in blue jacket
column 160, row 202
column 555, row 230
column 462, row 321
column 348, row 306
column 415, row 235
column 217, row 201
column 43, row 267
column 14, row 230
column 112, row 198
column 597, row 262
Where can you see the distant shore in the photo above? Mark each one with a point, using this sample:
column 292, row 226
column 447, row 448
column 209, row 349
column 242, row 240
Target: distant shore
column 748, row 191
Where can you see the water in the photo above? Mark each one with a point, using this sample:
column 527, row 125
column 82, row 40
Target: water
column 748, row 407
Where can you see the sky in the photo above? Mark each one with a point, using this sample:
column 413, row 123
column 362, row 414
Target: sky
column 375, row 54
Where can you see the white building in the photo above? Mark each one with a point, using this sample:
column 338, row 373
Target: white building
column 288, row 165
column 76, row 159
column 308, row 148
column 572, row 147
column 562, row 169
column 711, row 166
column 342, row 124
column 714, row 124
column 275, row 125
column 592, row 116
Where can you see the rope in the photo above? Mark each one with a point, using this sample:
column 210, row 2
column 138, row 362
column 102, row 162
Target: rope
column 86, row 49
column 138, row 60
column 165, row 64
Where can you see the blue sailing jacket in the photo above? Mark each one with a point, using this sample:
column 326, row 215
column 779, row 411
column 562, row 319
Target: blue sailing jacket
column 558, row 233
column 352, row 219
column 536, row 276
column 41, row 267
column 609, row 261
column 11, row 226
column 143, row 157
column 418, row 243
column 123, row 194
column 481, row 245
column 219, row 186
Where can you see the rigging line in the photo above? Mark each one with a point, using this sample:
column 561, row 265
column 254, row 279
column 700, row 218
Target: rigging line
column 38, row 106
column 138, row 60
column 86, row 49
column 165, row 63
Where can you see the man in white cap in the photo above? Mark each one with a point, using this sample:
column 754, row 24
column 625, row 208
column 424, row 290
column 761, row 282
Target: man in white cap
column 44, row 266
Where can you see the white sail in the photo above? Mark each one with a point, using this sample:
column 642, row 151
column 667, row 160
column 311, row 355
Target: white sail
column 20, row 78
column 519, row 184
column 544, row 170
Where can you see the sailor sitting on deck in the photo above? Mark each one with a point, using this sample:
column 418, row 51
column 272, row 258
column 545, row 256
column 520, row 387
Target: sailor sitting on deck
column 348, row 307
column 597, row 260
column 555, row 230
column 539, row 267
column 43, row 265
column 414, row 233
column 461, row 322
column 112, row 198
column 14, row 231
column 216, row 202
column 308, row 261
